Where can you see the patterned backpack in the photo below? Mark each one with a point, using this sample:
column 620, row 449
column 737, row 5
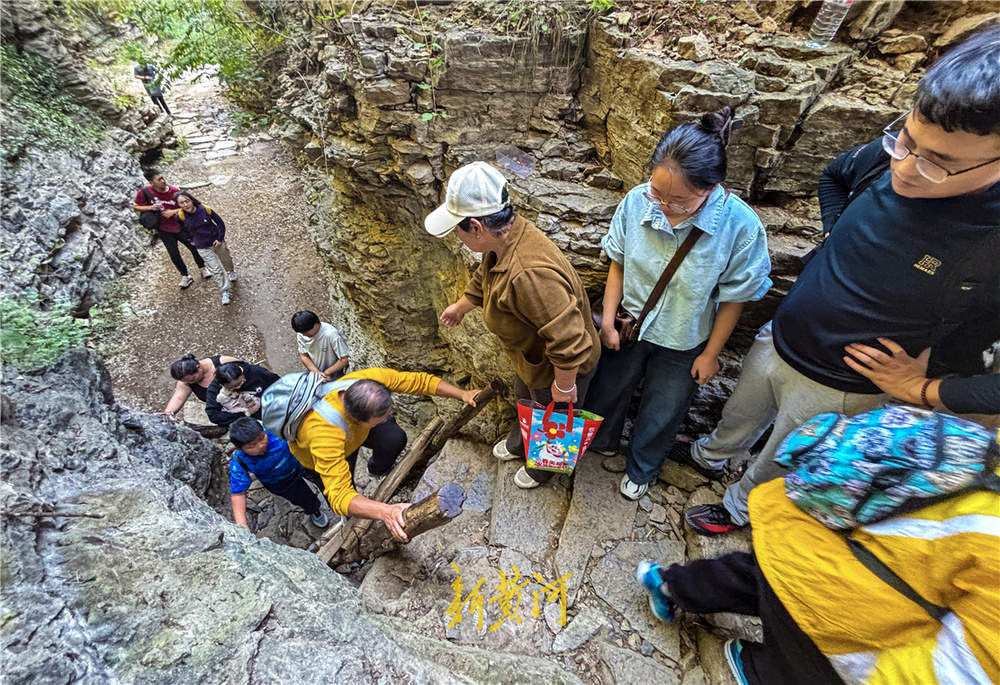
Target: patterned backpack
column 847, row 472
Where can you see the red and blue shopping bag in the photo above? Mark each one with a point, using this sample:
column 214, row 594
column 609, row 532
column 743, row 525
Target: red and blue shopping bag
column 553, row 441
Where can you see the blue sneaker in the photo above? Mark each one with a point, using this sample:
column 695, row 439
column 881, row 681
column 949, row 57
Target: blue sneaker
column 733, row 650
column 648, row 575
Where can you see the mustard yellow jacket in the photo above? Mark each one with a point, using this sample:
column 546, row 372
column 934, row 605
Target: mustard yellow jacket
column 323, row 447
column 948, row 552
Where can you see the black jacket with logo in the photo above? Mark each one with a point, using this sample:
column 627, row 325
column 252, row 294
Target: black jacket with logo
column 256, row 379
column 922, row 272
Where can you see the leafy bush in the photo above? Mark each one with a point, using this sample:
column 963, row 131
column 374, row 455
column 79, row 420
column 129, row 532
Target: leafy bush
column 32, row 337
column 37, row 108
column 236, row 37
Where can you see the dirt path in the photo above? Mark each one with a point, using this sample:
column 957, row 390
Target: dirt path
column 254, row 186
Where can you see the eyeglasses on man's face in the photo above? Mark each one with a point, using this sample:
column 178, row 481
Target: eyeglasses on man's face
column 897, row 149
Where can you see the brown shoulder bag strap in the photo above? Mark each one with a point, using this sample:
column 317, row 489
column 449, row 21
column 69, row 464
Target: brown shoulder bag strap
column 668, row 273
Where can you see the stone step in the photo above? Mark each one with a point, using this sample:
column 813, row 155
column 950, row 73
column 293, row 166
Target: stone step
column 597, row 513
column 613, row 579
column 527, row 520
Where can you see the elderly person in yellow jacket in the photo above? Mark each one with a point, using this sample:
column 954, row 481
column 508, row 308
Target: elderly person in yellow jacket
column 366, row 407
column 532, row 298
column 828, row 619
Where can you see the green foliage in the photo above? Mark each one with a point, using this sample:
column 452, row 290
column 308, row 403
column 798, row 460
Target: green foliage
column 37, row 108
column 232, row 35
column 31, row 337
column 244, row 122
column 170, row 156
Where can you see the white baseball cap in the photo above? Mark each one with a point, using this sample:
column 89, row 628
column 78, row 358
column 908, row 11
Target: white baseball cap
column 476, row 189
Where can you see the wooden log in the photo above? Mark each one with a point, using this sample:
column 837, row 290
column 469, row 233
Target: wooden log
column 433, row 511
column 331, row 541
column 424, row 450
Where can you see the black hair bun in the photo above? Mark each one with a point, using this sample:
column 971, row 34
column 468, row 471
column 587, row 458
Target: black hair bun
column 717, row 121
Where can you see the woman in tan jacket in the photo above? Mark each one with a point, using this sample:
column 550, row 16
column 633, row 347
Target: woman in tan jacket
column 532, row 299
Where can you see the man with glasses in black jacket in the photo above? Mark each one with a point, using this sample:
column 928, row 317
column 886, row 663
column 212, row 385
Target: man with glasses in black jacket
column 911, row 263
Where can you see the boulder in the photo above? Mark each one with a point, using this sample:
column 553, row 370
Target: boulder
column 963, row 27
column 696, row 47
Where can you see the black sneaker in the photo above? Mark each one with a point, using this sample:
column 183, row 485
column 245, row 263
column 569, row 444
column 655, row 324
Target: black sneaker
column 710, row 519
column 681, row 453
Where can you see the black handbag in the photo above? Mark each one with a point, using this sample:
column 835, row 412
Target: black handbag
column 149, row 218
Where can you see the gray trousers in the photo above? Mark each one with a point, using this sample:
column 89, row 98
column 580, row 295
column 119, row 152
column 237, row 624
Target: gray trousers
column 769, row 391
column 219, row 262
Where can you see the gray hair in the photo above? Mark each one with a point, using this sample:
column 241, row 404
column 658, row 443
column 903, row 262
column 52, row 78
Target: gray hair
column 367, row 399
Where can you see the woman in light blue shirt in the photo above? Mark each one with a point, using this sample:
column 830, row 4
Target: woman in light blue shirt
column 680, row 340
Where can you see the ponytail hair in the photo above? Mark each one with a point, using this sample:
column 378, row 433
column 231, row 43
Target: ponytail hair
column 698, row 151
column 229, row 372
column 184, row 366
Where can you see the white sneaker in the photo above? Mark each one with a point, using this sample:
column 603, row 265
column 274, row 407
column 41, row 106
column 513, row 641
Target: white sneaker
column 205, row 273
column 320, row 520
column 232, row 275
column 186, row 281
column 523, row 480
column 501, row 452
column 632, row 490
column 225, row 297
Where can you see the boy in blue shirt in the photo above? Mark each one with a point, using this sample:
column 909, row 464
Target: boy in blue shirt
column 262, row 454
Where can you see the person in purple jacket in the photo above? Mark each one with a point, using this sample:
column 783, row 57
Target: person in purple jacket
column 207, row 232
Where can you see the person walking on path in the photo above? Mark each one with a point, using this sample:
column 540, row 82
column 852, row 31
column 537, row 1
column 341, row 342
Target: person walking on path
column 913, row 222
column 207, row 232
column 240, row 377
column 262, row 454
column 153, row 83
column 321, row 347
column 532, row 298
column 157, row 196
column 682, row 205
column 193, row 377
column 363, row 410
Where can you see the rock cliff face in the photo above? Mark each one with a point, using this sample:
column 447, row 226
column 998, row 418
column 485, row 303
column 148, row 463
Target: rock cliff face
column 161, row 589
column 382, row 107
column 66, row 227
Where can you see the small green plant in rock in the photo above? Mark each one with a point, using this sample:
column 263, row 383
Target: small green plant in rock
column 37, row 108
column 32, row 337
column 172, row 155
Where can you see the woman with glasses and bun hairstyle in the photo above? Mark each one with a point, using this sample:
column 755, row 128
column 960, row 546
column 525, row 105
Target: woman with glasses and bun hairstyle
column 683, row 205
column 193, row 376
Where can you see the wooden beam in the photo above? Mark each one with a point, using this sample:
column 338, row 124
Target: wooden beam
column 433, row 511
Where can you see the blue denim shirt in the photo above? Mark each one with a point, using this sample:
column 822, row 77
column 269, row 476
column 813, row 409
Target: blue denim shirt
column 729, row 263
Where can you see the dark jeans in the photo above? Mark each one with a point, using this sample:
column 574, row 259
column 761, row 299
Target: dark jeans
column 298, row 492
column 735, row 583
column 160, row 102
column 170, row 242
column 665, row 400
column 515, row 444
column 386, row 441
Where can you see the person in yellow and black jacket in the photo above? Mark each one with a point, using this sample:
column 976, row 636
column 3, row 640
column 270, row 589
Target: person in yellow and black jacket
column 828, row 619
column 366, row 409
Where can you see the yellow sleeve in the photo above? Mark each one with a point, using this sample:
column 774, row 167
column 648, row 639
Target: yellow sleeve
column 407, row 382
column 326, row 446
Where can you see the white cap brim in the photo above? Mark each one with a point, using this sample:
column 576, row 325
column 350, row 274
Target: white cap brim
column 441, row 221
